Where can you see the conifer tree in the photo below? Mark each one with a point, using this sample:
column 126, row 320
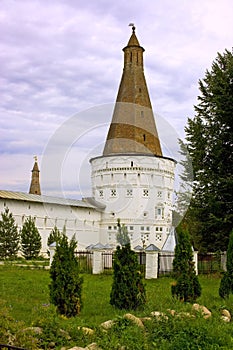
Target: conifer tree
column 30, row 239
column 209, row 137
column 66, row 284
column 128, row 290
column 187, row 286
column 226, row 285
column 9, row 236
column 54, row 236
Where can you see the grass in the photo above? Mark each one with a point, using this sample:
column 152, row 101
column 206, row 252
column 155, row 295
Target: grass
column 26, row 296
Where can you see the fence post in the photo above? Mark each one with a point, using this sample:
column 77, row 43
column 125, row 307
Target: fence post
column 52, row 249
column 195, row 259
column 224, row 261
column 151, row 264
column 97, row 267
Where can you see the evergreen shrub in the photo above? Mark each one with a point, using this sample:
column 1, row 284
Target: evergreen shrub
column 226, row 284
column 9, row 236
column 128, row 290
column 30, row 239
column 66, row 284
column 187, row 286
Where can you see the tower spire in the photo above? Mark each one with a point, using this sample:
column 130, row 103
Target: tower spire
column 133, row 128
column 35, row 179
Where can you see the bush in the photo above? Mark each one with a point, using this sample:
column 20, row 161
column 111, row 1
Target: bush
column 66, row 285
column 187, row 286
column 30, row 240
column 128, row 290
column 226, row 285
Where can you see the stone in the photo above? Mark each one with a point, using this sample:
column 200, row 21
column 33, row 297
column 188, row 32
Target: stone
column 225, row 319
column 226, row 313
column 134, row 319
column 159, row 315
column 203, row 310
column 172, row 312
column 107, row 324
column 86, row 330
column 76, row 348
column 36, row 330
column 144, row 319
column 92, row 346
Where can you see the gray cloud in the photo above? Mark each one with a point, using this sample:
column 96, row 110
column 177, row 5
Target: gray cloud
column 62, row 57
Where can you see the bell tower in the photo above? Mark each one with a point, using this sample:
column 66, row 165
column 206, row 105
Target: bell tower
column 35, row 180
column 132, row 178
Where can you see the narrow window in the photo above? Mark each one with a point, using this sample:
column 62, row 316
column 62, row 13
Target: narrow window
column 131, row 163
column 144, row 137
column 142, row 114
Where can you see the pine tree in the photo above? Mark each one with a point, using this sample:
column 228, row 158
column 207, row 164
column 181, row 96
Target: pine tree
column 66, row 284
column 209, row 139
column 9, row 236
column 226, row 285
column 30, row 240
column 187, row 286
column 128, row 290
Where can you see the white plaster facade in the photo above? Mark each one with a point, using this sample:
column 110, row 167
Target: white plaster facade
column 138, row 190
column 78, row 217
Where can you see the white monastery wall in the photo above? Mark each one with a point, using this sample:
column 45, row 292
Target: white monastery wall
column 79, row 221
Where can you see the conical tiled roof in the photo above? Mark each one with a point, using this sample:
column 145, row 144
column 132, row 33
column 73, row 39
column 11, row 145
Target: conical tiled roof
column 133, row 128
column 35, row 181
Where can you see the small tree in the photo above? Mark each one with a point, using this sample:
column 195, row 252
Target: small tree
column 30, row 239
column 187, row 286
column 122, row 236
column 66, row 284
column 226, row 285
column 9, row 236
column 54, row 236
column 128, row 290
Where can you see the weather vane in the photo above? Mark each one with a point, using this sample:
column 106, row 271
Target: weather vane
column 35, row 158
column 133, row 26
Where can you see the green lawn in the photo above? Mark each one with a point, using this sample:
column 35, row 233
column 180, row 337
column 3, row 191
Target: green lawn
column 25, row 293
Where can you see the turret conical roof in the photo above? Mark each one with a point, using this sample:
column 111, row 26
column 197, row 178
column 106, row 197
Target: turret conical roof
column 35, row 180
column 133, row 128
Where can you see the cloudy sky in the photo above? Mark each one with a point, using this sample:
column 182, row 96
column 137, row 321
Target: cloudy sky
column 60, row 66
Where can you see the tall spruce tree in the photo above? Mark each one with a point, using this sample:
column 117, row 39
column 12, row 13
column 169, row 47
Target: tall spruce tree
column 9, row 236
column 66, row 284
column 209, row 139
column 187, row 286
column 30, row 239
column 128, row 290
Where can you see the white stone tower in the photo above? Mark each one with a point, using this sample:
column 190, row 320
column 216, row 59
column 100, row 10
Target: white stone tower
column 132, row 178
